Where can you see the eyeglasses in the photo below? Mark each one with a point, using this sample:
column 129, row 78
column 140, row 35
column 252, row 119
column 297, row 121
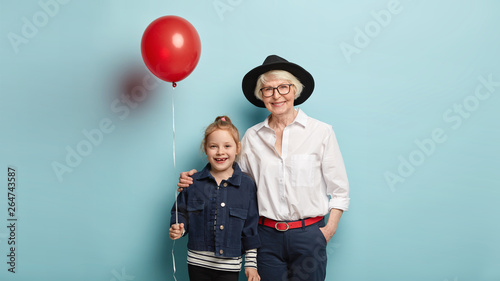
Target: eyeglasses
column 282, row 89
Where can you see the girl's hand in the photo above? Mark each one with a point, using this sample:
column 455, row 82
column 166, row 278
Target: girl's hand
column 175, row 231
column 185, row 180
column 252, row 274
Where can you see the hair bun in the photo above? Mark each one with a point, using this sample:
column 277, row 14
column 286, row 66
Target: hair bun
column 223, row 118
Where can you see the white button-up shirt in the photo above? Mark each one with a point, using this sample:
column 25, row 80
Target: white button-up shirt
column 306, row 180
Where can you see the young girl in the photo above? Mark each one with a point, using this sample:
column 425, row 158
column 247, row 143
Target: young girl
column 219, row 211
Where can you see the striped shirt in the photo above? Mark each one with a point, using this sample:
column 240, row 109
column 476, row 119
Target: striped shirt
column 209, row 260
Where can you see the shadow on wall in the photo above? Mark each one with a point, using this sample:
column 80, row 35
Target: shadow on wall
column 136, row 87
column 251, row 115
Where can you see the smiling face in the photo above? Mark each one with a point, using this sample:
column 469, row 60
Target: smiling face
column 221, row 150
column 279, row 104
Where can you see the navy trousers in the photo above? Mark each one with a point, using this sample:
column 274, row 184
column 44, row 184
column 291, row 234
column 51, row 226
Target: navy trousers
column 293, row 255
column 198, row 273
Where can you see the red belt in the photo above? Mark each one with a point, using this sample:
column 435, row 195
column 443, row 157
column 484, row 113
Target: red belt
column 286, row 225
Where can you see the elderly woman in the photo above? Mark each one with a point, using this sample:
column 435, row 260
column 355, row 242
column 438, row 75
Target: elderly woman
column 298, row 168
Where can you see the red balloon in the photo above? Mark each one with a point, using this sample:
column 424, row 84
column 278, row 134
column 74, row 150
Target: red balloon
column 171, row 48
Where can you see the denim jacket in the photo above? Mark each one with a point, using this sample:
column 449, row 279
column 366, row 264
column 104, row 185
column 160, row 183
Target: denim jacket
column 221, row 219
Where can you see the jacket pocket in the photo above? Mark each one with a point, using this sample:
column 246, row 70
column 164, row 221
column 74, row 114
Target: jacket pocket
column 237, row 217
column 196, row 215
column 195, row 205
column 238, row 213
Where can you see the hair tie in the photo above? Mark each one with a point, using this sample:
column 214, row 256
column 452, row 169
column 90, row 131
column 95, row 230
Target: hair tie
column 223, row 119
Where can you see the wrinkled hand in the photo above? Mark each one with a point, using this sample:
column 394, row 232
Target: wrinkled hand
column 327, row 233
column 252, row 274
column 175, row 231
column 331, row 226
column 185, row 179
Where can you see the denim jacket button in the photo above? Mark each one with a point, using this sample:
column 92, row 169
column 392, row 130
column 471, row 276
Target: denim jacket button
column 223, row 204
column 221, row 227
column 221, row 252
column 225, row 184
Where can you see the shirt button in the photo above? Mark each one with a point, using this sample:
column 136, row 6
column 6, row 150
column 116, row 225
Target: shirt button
column 223, row 204
column 225, row 184
column 221, row 227
column 221, row 252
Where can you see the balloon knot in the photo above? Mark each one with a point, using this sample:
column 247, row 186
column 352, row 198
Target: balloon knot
column 174, row 84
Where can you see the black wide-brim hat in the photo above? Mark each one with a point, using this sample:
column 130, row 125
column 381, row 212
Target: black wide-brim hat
column 274, row 62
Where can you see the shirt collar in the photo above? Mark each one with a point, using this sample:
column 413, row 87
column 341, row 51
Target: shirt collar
column 234, row 180
column 300, row 119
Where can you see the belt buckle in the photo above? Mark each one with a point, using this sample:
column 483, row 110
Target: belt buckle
column 276, row 226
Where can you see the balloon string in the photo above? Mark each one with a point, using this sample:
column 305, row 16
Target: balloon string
column 175, row 169
column 173, row 149
column 173, row 259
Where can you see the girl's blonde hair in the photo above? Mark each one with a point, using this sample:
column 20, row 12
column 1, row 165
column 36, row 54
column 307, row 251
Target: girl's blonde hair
column 221, row 123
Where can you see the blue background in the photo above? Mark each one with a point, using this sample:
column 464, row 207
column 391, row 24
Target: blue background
column 424, row 206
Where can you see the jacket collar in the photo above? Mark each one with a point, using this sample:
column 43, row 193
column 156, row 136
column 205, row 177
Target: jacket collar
column 234, row 180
